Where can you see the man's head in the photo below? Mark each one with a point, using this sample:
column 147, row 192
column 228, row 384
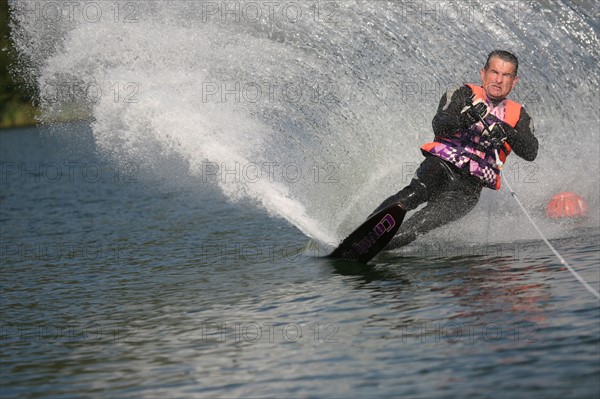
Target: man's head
column 499, row 75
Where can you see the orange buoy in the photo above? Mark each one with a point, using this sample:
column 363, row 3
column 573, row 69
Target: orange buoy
column 566, row 205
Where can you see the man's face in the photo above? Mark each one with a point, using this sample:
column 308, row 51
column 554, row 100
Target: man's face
column 499, row 79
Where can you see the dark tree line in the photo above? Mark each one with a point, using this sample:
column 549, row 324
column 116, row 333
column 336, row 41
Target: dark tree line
column 16, row 107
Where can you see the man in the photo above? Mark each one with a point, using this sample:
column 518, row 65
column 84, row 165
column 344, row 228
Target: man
column 464, row 156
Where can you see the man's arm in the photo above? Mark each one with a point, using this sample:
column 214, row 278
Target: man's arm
column 447, row 119
column 521, row 138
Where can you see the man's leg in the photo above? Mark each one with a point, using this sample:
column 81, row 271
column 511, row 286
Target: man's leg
column 430, row 179
column 447, row 207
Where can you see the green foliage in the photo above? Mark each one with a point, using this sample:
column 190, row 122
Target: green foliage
column 16, row 107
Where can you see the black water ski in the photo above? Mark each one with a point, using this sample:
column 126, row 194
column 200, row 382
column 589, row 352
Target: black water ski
column 372, row 236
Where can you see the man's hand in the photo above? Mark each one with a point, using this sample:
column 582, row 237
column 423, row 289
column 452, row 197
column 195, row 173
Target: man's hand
column 473, row 113
column 496, row 135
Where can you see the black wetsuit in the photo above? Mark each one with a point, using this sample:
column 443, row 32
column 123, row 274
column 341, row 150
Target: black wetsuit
column 450, row 192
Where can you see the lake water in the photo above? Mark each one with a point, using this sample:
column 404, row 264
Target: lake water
column 173, row 246
column 116, row 283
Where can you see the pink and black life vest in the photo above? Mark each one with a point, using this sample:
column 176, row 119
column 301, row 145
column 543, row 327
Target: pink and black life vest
column 465, row 149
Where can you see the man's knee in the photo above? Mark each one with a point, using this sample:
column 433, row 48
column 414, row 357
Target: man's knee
column 409, row 197
column 413, row 195
column 447, row 207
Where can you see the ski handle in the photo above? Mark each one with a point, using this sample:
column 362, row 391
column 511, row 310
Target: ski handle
column 486, row 126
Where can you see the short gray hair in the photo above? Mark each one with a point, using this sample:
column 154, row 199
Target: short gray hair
column 504, row 56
